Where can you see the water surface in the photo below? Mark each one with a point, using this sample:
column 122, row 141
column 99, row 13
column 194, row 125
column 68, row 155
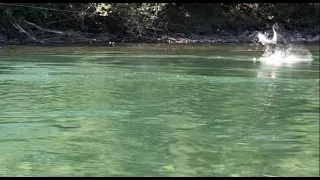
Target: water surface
column 156, row 110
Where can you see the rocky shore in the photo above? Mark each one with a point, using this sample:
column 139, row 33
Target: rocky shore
column 246, row 37
column 221, row 37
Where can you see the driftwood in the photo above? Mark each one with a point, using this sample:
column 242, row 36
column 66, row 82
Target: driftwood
column 45, row 35
column 44, row 29
column 59, row 21
column 17, row 26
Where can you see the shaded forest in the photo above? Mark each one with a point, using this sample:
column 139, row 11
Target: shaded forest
column 147, row 22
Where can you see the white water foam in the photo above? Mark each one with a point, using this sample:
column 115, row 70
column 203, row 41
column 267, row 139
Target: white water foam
column 281, row 55
column 286, row 56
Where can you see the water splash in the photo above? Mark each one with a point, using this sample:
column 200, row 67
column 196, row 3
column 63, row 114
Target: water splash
column 281, row 54
column 263, row 39
column 286, row 56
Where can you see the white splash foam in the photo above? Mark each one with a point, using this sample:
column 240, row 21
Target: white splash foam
column 279, row 55
column 286, row 57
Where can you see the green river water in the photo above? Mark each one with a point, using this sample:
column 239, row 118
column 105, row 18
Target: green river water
column 156, row 110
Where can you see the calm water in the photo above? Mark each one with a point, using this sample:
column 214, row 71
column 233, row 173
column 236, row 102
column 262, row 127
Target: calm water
column 156, row 111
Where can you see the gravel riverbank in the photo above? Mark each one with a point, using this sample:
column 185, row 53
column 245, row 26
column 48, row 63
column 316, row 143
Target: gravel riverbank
column 221, row 37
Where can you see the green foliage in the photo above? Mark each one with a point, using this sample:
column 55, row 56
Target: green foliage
column 138, row 18
column 143, row 19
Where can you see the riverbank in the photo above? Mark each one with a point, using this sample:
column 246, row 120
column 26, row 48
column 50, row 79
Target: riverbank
column 185, row 23
column 222, row 37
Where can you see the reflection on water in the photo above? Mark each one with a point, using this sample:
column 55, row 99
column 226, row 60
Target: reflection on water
column 156, row 112
column 267, row 72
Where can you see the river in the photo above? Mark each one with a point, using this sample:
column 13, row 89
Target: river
column 156, row 110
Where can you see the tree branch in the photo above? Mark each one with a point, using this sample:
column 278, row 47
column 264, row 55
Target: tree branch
column 17, row 26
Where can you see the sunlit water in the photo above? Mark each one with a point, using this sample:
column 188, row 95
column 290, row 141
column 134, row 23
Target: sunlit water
column 156, row 111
